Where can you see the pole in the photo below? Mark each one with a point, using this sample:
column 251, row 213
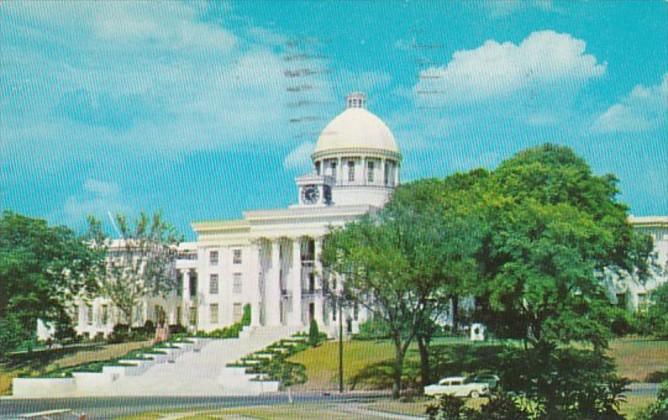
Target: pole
column 340, row 348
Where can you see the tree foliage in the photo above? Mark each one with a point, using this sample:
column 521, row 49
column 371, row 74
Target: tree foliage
column 42, row 268
column 554, row 228
column 141, row 262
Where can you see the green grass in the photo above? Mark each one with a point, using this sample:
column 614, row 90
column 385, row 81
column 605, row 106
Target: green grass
column 366, row 362
column 635, row 359
column 43, row 362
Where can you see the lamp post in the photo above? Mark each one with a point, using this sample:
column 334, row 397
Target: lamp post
column 340, row 347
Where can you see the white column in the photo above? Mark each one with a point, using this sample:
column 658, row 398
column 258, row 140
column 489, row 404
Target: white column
column 254, row 269
column 339, row 180
column 396, row 173
column 318, row 298
column 364, row 170
column 296, row 283
column 273, row 287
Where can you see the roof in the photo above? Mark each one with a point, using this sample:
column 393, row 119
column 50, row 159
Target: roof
column 356, row 129
column 649, row 221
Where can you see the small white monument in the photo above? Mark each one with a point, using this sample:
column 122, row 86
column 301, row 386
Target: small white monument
column 477, row 332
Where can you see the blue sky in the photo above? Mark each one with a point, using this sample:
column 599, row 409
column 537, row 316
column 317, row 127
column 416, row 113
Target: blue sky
column 187, row 107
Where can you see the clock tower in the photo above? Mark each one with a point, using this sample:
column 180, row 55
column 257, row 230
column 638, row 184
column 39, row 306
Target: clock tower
column 315, row 190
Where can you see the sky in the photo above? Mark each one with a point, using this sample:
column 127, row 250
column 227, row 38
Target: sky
column 204, row 110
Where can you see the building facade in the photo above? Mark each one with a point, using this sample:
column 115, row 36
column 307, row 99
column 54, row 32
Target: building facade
column 269, row 259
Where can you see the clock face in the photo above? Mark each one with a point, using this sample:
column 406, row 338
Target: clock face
column 310, row 194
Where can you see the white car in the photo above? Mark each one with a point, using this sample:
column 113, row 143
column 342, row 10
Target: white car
column 457, row 386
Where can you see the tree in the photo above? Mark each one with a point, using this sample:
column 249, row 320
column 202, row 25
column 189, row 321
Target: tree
column 656, row 318
column 442, row 235
column 141, row 262
column 41, row 268
column 377, row 275
column 313, row 333
column 555, row 228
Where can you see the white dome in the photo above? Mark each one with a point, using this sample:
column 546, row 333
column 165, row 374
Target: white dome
column 356, row 129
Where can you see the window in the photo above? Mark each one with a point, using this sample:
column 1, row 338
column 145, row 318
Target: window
column 193, row 284
column 311, row 282
column 213, row 284
column 237, row 312
column 369, row 171
column 621, row 300
column 387, row 173
column 333, row 168
column 89, row 314
column 179, row 283
column 213, row 257
column 178, row 315
column 351, row 171
column 213, row 313
column 642, row 301
column 236, row 285
column 105, row 314
column 356, row 311
column 236, row 256
column 192, row 318
column 317, row 168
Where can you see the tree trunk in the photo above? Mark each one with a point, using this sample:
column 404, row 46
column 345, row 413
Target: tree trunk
column 423, row 346
column 398, row 368
column 455, row 313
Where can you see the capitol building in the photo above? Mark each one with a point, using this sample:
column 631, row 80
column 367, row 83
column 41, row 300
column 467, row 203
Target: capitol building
column 269, row 259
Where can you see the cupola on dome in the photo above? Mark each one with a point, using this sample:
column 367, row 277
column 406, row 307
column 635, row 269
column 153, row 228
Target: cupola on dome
column 356, row 130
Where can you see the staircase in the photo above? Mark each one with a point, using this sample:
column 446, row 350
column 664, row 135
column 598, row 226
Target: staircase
column 203, row 372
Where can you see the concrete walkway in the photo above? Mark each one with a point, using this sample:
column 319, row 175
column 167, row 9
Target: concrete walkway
column 193, row 373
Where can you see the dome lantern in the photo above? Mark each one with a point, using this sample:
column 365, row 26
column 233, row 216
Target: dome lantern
column 356, row 100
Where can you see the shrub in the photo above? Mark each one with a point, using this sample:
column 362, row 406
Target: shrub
column 177, row 329
column 373, row 329
column 500, row 407
column 149, row 327
column 313, row 333
column 11, row 335
column 623, row 323
column 658, row 410
column 246, row 318
column 447, row 408
column 119, row 334
column 657, row 377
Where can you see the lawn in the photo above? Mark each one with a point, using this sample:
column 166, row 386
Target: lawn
column 47, row 361
column 635, row 359
column 640, row 357
column 278, row 412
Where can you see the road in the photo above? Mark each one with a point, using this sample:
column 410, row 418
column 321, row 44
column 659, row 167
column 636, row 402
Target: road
column 113, row 407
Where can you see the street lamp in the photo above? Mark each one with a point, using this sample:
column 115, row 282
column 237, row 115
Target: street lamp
column 340, row 347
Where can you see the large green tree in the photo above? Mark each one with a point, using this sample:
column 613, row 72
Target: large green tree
column 442, row 235
column 555, row 227
column 141, row 262
column 42, row 268
column 368, row 254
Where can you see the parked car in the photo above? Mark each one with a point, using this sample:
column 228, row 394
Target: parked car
column 486, row 378
column 457, row 386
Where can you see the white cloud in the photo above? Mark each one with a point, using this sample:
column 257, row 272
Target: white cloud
column 299, row 157
column 494, row 70
column 98, row 199
column 645, row 108
column 144, row 77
